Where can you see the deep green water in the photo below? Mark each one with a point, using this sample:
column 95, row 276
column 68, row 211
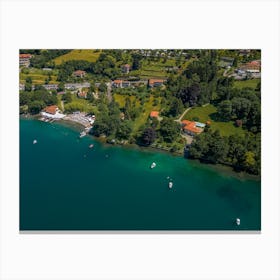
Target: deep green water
column 64, row 185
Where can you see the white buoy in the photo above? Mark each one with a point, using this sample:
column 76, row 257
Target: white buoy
column 238, row 221
column 34, row 141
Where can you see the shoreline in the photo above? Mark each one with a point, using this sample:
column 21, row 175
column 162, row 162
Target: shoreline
column 223, row 169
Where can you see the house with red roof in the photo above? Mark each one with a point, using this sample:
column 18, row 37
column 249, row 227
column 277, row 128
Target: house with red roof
column 155, row 82
column 120, row 84
column 191, row 127
column 154, row 114
column 51, row 109
column 52, row 112
column 24, row 59
column 79, row 73
column 251, row 67
column 82, row 94
column 117, row 83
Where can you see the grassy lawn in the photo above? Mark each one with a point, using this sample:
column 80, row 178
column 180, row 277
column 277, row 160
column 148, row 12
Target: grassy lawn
column 37, row 78
column 120, row 98
column 83, row 104
column 207, row 113
column 88, row 55
column 148, row 107
column 247, row 83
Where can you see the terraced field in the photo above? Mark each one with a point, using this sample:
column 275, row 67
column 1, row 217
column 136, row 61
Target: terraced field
column 88, row 55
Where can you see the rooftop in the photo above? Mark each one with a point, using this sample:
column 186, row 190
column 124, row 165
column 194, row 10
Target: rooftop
column 51, row 109
column 190, row 126
column 154, row 114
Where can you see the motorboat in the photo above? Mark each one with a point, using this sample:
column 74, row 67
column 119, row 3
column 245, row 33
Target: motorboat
column 170, row 185
column 91, row 146
column 34, row 141
column 237, row 221
column 153, row 165
column 82, row 134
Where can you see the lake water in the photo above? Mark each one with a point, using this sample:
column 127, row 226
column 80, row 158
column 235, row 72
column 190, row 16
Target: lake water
column 65, row 185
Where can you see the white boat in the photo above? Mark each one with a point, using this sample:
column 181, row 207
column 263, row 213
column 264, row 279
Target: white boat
column 237, row 221
column 153, row 165
column 90, row 146
column 82, row 134
column 170, row 185
column 34, row 141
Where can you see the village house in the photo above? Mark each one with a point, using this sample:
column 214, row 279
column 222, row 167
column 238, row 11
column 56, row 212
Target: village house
column 251, row 67
column 117, row 83
column 75, row 86
column 226, row 61
column 79, row 73
column 51, row 86
column 82, row 94
column 125, row 84
column 155, row 82
column 21, row 87
column 125, row 68
column 191, row 127
column 120, row 84
column 154, row 114
column 52, row 112
column 24, row 59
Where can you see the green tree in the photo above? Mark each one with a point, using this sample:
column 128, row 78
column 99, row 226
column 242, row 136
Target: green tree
column 225, row 110
column 148, row 136
column 176, row 107
column 124, row 130
column 36, row 106
column 169, row 130
column 67, row 97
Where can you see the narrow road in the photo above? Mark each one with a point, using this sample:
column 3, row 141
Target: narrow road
column 109, row 91
column 182, row 115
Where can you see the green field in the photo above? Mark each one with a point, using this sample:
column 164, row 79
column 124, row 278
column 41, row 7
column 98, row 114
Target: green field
column 80, row 104
column 147, row 108
column 157, row 69
column 38, row 76
column 88, row 55
column 246, row 83
column 207, row 113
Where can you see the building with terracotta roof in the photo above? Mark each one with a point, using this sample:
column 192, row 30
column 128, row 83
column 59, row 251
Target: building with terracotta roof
column 24, row 59
column 155, row 82
column 192, row 128
column 117, row 83
column 251, row 67
column 79, row 73
column 51, row 109
column 82, row 94
column 154, row 114
column 52, row 112
column 120, row 84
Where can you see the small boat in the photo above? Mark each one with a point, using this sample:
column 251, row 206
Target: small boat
column 153, row 165
column 170, row 185
column 34, row 141
column 82, row 134
column 237, row 221
column 91, row 146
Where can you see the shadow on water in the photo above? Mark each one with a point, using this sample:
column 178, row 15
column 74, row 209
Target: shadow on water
column 234, row 198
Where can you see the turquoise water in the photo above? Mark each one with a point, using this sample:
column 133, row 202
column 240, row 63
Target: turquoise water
column 64, row 185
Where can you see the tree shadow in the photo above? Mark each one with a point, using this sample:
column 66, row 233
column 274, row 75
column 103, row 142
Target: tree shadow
column 215, row 117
